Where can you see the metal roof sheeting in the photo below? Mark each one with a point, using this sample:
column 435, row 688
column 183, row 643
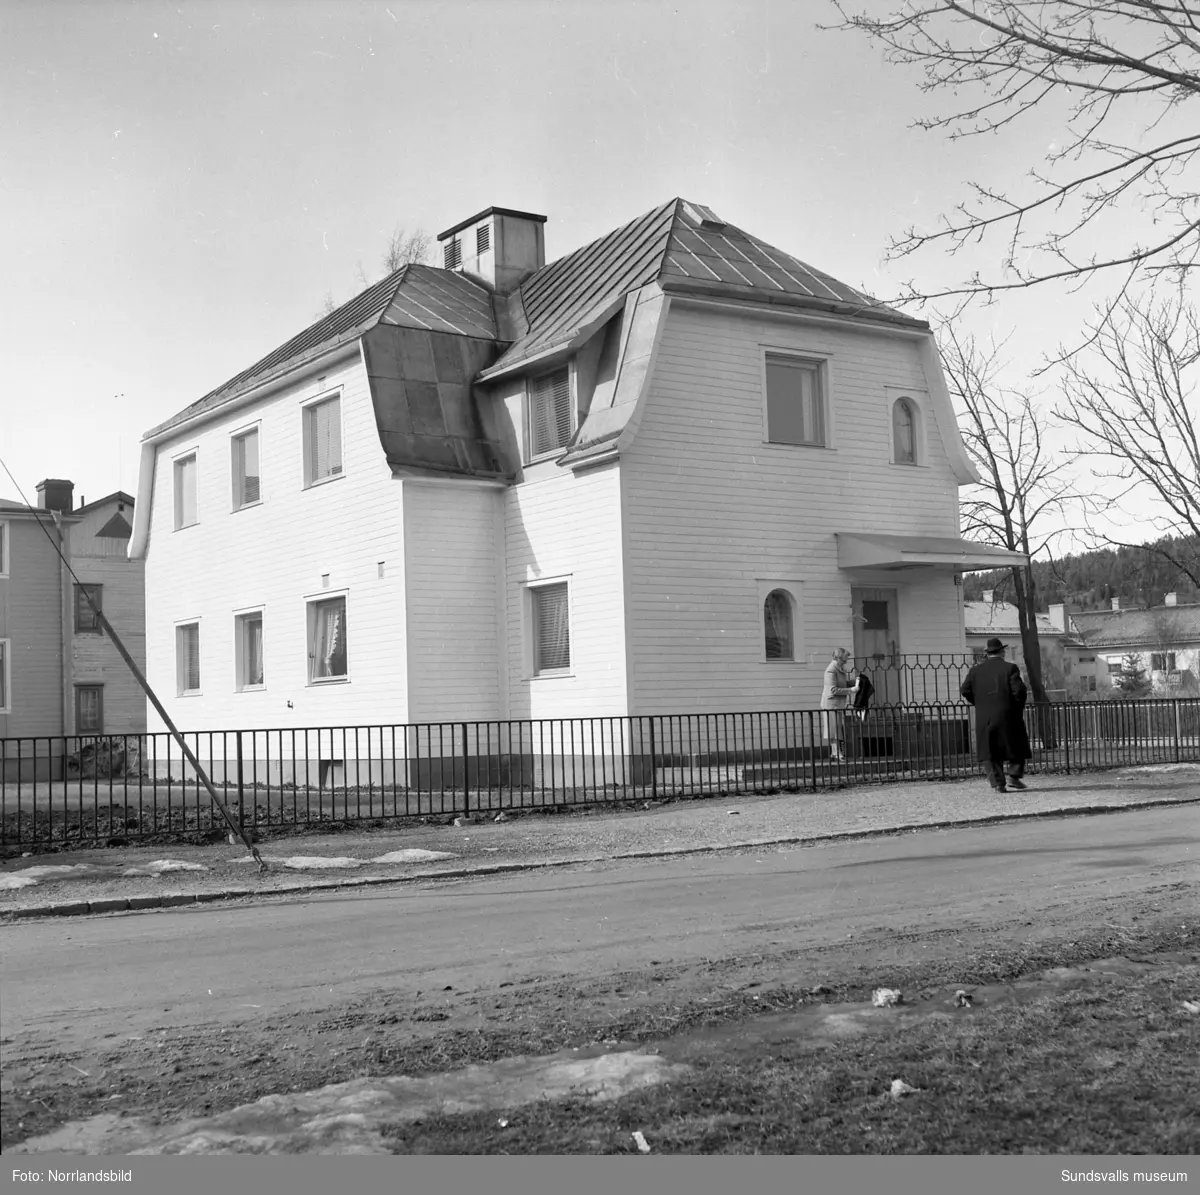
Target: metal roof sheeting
column 1166, row 626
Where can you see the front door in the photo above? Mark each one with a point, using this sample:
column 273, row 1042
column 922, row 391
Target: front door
column 877, row 641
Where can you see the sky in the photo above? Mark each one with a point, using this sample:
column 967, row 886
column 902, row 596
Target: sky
column 184, row 183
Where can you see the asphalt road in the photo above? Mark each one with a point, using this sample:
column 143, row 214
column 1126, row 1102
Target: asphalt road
column 75, row 979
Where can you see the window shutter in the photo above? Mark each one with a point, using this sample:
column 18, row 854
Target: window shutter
column 551, row 412
column 551, row 628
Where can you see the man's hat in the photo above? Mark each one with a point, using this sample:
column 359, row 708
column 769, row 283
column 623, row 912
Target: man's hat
column 994, row 647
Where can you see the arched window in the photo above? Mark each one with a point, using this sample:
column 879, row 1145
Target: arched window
column 904, row 432
column 777, row 623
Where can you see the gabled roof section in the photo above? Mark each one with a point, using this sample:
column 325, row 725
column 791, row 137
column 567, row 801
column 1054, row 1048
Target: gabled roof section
column 1165, row 626
column 116, row 528
column 681, row 246
column 414, row 296
column 115, row 496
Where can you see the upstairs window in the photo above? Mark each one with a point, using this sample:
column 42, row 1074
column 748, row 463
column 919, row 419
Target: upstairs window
column 551, row 628
column 904, row 432
column 86, row 621
column 322, row 440
column 1162, row 661
column 246, row 488
column 185, row 492
column 3, row 549
column 777, row 623
column 187, row 658
column 452, row 254
column 550, row 416
column 795, row 401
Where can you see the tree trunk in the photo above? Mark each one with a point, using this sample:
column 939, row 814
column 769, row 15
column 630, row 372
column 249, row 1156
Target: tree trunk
column 1026, row 595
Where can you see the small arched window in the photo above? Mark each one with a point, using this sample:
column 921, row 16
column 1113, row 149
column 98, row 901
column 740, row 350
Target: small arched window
column 777, row 625
column 904, row 432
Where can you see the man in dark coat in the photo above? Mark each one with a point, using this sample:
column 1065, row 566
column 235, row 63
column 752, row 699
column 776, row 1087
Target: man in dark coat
column 995, row 688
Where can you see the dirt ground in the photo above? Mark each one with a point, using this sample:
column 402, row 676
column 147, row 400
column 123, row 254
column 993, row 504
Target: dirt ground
column 168, row 1074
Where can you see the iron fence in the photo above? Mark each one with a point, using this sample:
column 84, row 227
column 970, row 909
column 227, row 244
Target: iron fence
column 915, row 679
column 107, row 789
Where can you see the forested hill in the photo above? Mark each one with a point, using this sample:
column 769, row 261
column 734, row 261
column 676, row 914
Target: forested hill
column 1090, row 580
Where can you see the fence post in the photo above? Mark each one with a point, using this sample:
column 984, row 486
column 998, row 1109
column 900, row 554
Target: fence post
column 466, row 777
column 241, row 806
column 1175, row 722
column 653, row 764
column 1067, row 724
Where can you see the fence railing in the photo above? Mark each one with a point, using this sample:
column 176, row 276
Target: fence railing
column 107, row 789
column 915, row 679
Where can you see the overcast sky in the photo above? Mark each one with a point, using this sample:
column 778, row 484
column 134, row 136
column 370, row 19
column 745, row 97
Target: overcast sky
column 183, row 183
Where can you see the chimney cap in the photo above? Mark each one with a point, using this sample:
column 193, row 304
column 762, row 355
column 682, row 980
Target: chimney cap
column 490, row 211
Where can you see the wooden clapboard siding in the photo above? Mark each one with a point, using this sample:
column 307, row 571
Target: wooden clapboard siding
column 274, row 555
column 711, row 508
column 453, row 539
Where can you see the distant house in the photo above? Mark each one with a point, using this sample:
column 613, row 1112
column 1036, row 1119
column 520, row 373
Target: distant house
column 668, row 472
column 1163, row 640
column 59, row 675
column 992, row 618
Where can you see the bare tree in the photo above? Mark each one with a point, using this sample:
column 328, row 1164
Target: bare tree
column 1024, row 480
column 404, row 248
column 1124, row 70
column 1132, row 394
column 328, row 306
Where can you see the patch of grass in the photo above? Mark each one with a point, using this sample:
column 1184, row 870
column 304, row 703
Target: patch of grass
column 1110, row 1070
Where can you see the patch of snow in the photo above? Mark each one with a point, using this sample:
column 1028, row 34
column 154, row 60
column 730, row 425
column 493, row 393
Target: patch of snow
column 159, row 866
column 1162, row 767
column 35, row 875
column 8, row 883
column 318, row 862
column 412, row 855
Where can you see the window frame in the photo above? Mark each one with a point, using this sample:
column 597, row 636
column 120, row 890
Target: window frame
column 312, row 603
column 238, row 468
column 532, row 589
column 1164, row 656
column 531, row 456
column 822, row 366
column 180, row 667
column 178, row 461
column 5, row 546
column 5, row 676
column 904, row 403
column 308, row 411
column 918, row 404
column 793, row 590
column 789, row 606
column 241, row 619
column 77, row 594
column 99, row 690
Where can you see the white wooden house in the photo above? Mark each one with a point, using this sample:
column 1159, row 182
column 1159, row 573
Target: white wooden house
column 668, row 472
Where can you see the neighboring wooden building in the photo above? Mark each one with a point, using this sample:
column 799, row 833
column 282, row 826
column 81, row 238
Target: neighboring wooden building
column 991, row 618
column 668, row 472
column 1164, row 640
column 58, row 674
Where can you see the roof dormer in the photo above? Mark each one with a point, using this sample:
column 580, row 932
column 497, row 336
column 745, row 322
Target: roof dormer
column 498, row 247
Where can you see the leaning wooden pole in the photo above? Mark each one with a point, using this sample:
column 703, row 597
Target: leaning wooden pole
column 188, row 753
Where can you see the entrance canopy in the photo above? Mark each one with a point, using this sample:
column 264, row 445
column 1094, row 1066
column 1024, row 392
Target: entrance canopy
column 857, row 551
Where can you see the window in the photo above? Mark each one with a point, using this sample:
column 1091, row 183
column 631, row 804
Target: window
column 1091, row 684
column 248, row 650
column 3, row 549
column 246, row 489
column 483, row 238
column 86, row 621
column 904, row 432
column 777, row 622
column 185, row 492
column 1162, row 661
column 551, row 628
column 187, row 658
column 327, row 640
column 89, row 709
column 452, row 254
column 795, row 401
column 5, row 684
column 322, row 440
column 550, row 412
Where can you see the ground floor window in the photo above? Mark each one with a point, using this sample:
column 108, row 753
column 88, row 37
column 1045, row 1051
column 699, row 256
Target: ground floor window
column 4, row 681
column 327, row 637
column 777, row 624
column 551, row 628
column 187, row 658
column 89, row 709
column 248, row 649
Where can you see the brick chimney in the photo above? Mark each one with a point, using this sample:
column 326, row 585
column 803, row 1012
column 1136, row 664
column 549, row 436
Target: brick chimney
column 56, row 494
column 1058, row 616
column 498, row 247
column 1172, row 599
column 1116, row 603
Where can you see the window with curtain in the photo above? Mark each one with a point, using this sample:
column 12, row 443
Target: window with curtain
column 86, row 621
column 249, row 650
column 551, row 628
column 904, row 432
column 246, row 489
column 323, row 440
column 185, row 492
column 4, row 674
column 795, row 401
column 550, row 412
column 777, row 624
column 327, row 640
column 187, row 658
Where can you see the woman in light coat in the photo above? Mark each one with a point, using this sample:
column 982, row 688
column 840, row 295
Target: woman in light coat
column 835, row 695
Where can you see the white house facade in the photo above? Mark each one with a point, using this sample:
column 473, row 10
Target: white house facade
column 667, row 473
